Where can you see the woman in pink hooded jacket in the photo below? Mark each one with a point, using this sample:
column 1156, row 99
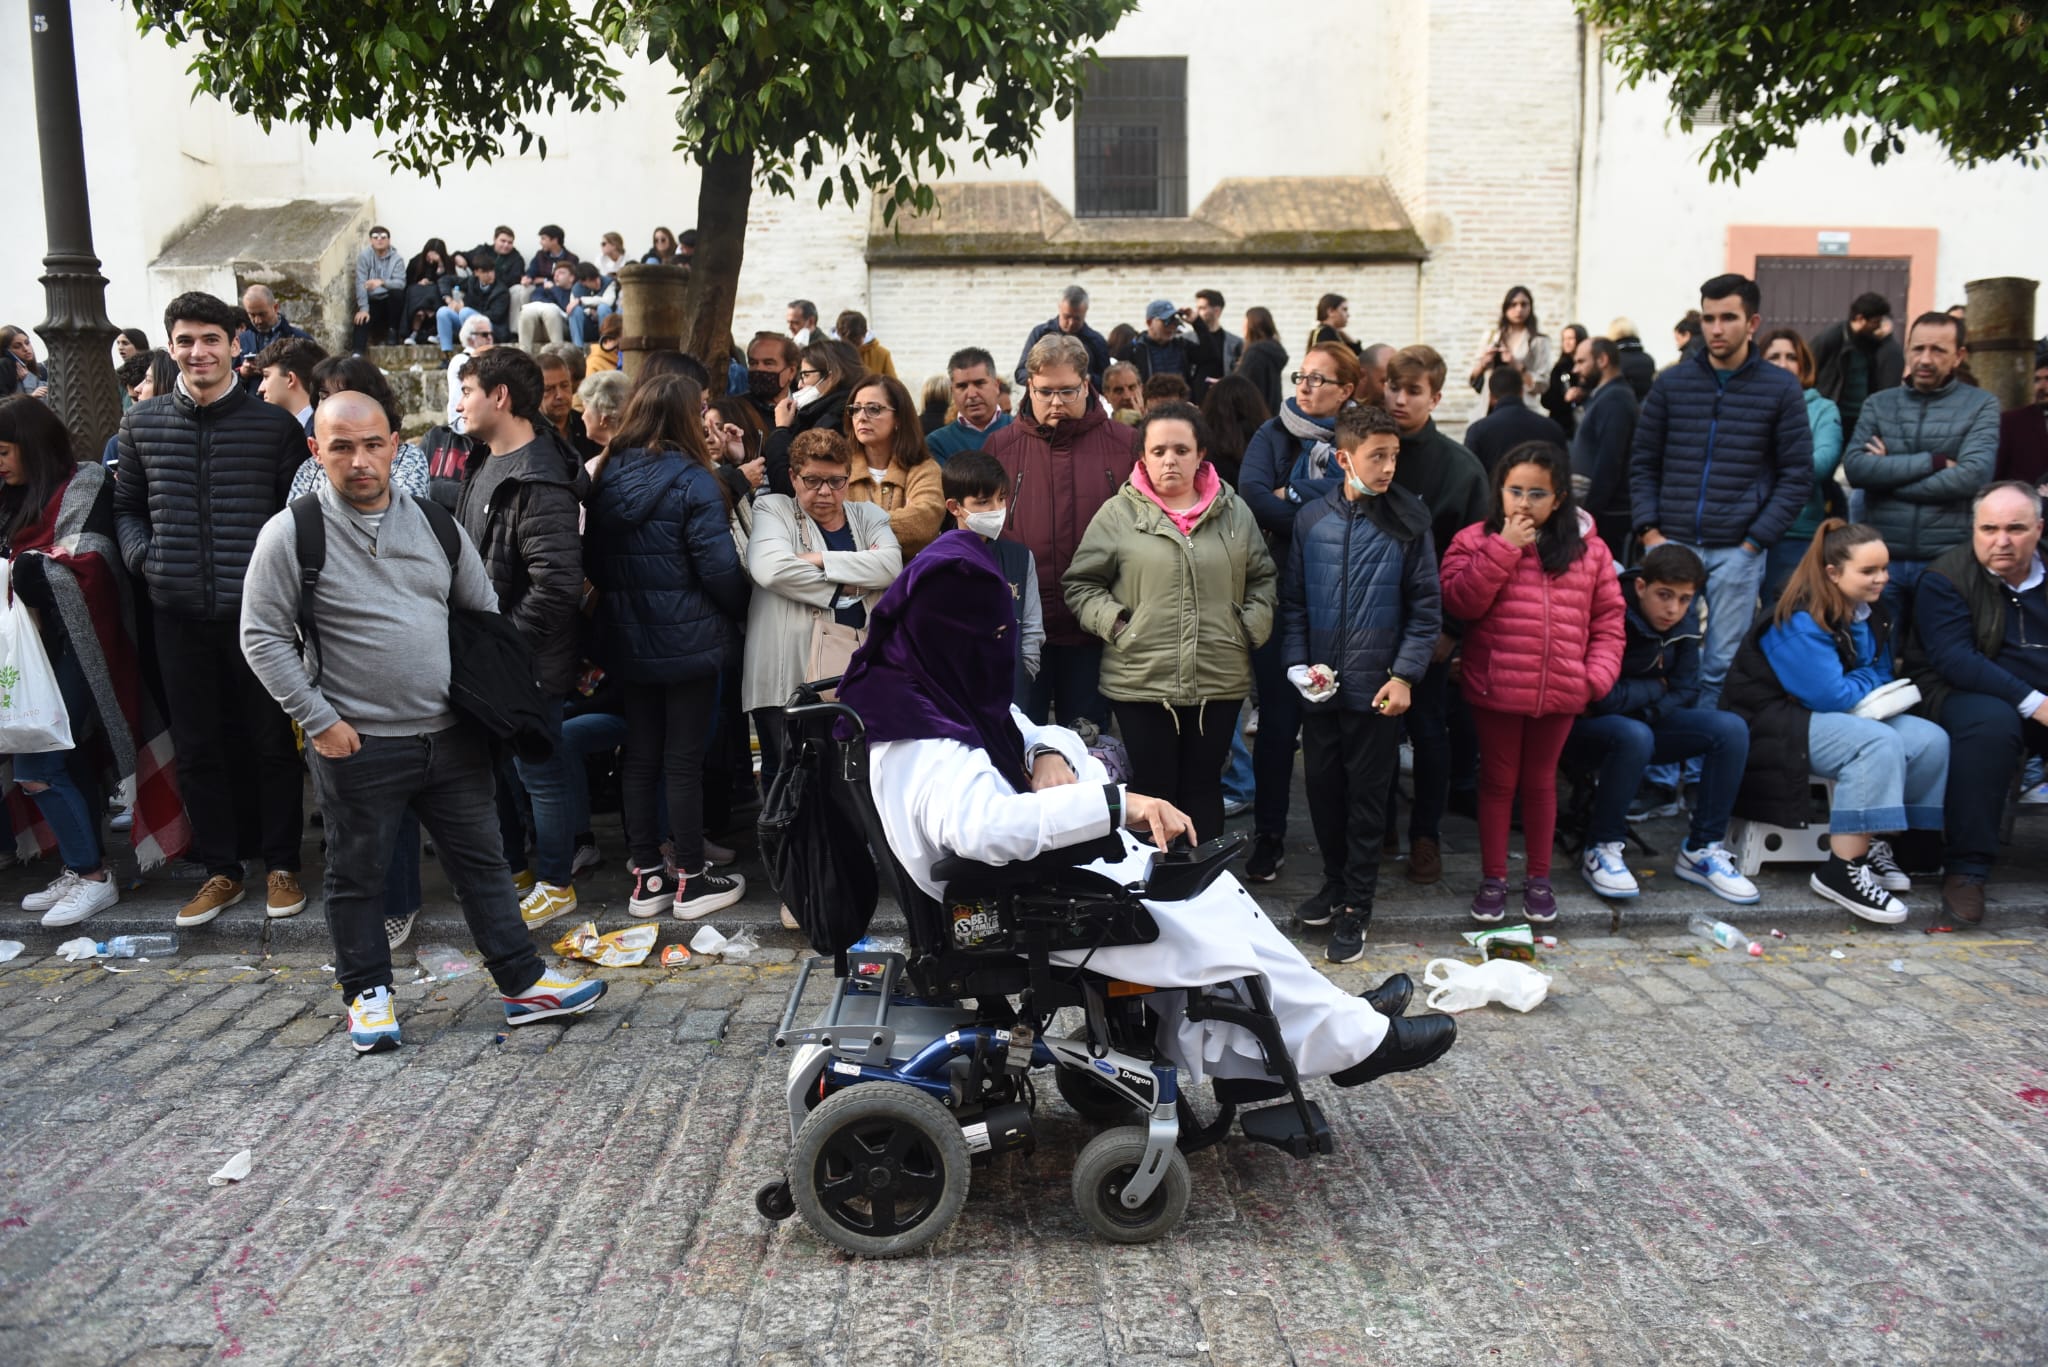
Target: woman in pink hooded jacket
column 1544, row 634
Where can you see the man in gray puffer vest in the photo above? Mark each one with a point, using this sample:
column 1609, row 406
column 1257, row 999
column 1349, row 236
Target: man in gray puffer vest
column 1921, row 452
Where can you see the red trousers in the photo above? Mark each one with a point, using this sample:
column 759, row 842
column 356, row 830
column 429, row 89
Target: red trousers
column 1518, row 751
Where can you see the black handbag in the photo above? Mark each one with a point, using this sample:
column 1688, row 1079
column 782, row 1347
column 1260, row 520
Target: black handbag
column 812, row 840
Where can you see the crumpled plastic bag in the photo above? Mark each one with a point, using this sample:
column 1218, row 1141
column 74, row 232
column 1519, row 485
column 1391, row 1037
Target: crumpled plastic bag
column 234, row 1170
column 84, row 947
column 737, row 950
column 619, row 949
column 10, row 949
column 1457, row 986
column 442, row 962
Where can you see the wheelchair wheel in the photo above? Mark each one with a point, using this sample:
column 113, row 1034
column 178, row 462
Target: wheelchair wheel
column 879, row 1169
column 1093, row 1099
column 1105, row 1166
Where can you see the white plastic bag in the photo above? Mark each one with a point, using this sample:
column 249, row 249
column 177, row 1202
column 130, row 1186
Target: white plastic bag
column 32, row 716
column 1457, row 986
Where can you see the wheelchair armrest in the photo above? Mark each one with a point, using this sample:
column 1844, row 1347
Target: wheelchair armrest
column 1181, row 874
column 1060, row 868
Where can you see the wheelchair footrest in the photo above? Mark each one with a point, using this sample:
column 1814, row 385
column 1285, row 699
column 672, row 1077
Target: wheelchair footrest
column 1281, row 1127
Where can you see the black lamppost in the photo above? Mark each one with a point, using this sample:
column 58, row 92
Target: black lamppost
column 77, row 332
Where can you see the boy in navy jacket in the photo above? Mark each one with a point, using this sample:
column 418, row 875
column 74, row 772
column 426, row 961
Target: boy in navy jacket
column 1653, row 715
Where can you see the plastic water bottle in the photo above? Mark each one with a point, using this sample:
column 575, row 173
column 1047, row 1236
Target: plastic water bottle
column 1721, row 933
column 138, row 947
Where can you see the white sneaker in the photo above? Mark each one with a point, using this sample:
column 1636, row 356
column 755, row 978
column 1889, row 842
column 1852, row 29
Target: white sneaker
column 1606, row 872
column 1713, row 868
column 1887, row 868
column 2035, row 796
column 52, row 895
column 587, row 857
column 86, row 898
column 123, row 820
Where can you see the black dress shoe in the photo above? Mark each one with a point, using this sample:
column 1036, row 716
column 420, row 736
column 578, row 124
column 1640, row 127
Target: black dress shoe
column 1391, row 997
column 1412, row 1042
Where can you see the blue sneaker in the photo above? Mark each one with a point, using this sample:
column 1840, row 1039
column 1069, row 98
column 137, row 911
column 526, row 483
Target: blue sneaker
column 373, row 1022
column 1713, row 868
column 553, row 995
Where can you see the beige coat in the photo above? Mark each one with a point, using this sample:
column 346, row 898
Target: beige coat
column 914, row 499
column 788, row 591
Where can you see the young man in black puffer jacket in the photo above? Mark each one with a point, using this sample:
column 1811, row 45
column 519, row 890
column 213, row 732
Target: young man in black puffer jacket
column 201, row 470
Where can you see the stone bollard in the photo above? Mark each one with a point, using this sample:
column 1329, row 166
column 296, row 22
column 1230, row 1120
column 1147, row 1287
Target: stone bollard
column 2001, row 332
column 654, row 303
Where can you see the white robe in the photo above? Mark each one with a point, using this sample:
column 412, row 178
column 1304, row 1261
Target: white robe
column 939, row 797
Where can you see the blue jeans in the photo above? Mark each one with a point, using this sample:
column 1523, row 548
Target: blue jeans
column 1237, row 775
column 1734, row 577
column 447, row 323
column 1273, row 747
column 1779, row 562
column 546, row 787
column 1898, row 599
column 1988, row 740
column 1889, row 775
column 1619, row 748
column 73, row 813
column 584, row 736
column 1069, row 686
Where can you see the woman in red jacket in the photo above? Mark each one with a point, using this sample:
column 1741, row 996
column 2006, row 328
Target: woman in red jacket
column 1539, row 592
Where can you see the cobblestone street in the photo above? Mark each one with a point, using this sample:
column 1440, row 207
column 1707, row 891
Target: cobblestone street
column 1685, row 1155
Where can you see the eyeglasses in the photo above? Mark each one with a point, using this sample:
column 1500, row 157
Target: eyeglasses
column 1528, row 495
column 1310, row 380
column 814, row 483
column 869, row 410
column 1061, row 395
column 805, row 372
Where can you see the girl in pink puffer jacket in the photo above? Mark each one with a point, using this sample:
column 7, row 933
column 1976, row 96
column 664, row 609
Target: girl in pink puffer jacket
column 1538, row 592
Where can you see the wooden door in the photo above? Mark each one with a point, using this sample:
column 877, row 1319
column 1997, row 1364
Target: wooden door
column 1811, row 293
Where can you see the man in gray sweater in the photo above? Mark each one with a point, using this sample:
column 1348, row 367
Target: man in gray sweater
column 380, row 292
column 381, row 733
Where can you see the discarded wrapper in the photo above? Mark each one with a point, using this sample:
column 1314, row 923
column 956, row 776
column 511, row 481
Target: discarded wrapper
column 1836, row 954
column 1504, row 942
column 443, row 962
column 10, row 949
column 81, row 948
column 619, row 949
column 674, row 956
column 234, row 1170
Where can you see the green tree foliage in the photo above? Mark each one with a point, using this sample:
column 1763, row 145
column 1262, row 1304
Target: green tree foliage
column 769, row 90
column 1972, row 74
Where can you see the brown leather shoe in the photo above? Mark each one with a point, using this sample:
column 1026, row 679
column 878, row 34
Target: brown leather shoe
column 214, row 895
column 286, row 897
column 1425, row 860
column 1963, row 899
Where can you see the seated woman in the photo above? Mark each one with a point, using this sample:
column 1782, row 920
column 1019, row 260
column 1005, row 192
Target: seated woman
column 956, row 770
column 1798, row 680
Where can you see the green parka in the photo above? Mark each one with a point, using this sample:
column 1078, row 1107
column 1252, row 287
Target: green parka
column 1196, row 605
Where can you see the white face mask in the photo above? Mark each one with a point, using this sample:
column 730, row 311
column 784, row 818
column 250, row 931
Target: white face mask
column 1361, row 488
column 988, row 523
column 806, row 396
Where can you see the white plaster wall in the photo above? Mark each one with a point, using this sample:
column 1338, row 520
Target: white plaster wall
column 1654, row 227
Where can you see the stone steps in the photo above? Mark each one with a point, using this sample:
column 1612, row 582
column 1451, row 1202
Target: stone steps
column 419, row 377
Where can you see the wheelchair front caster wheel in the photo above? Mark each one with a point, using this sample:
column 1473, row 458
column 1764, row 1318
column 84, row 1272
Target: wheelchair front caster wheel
column 1106, row 1166
column 775, row 1201
column 879, row 1169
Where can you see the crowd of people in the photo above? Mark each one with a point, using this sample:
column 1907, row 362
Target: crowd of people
column 1691, row 589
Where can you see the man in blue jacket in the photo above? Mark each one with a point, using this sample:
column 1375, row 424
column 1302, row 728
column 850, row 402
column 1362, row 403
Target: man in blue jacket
column 1072, row 319
column 1722, row 463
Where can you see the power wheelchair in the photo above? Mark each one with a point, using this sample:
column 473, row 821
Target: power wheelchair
column 921, row 1064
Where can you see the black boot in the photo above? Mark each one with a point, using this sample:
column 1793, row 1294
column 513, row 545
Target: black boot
column 1391, row 997
column 1412, row 1042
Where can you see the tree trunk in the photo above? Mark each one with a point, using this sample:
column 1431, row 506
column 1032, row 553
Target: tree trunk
column 722, row 206
column 2001, row 334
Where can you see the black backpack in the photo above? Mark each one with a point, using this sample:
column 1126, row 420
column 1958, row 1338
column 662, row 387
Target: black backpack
column 490, row 666
column 814, row 840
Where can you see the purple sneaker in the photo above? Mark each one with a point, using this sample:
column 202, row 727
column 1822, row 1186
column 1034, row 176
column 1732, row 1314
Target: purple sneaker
column 1539, row 903
column 1490, row 903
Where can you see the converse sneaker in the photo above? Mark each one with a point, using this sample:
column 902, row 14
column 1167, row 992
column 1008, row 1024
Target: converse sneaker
column 700, row 894
column 373, row 1021
column 1319, row 907
column 1269, row 856
column 1347, row 937
column 398, row 929
column 1490, row 903
column 545, row 903
column 1606, row 871
column 1539, row 903
column 1853, row 884
column 52, row 895
column 87, row 897
column 215, row 895
column 653, row 892
column 1887, row 868
column 1713, row 868
column 556, row 994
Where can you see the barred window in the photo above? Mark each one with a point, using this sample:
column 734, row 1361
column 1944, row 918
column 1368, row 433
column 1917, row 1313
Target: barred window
column 1131, row 140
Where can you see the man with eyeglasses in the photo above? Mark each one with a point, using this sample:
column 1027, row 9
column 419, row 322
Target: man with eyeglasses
column 477, row 338
column 1978, row 652
column 1065, row 458
column 973, row 375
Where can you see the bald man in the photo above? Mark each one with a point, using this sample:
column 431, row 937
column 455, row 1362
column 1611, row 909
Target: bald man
column 266, row 324
column 382, row 735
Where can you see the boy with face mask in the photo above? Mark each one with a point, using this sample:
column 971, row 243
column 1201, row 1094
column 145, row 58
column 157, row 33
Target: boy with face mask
column 978, row 500
column 1359, row 616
